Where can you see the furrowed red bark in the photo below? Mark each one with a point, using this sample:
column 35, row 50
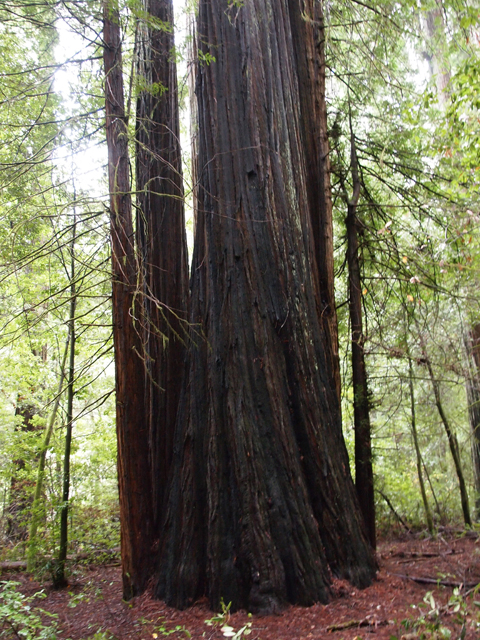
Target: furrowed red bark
column 161, row 234
column 134, row 479
column 261, row 505
column 308, row 35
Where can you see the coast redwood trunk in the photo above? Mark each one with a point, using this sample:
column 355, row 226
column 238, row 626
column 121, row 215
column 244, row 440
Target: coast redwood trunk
column 161, row 234
column 308, row 36
column 132, row 432
column 261, row 504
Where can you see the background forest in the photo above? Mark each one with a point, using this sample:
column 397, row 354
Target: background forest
column 403, row 101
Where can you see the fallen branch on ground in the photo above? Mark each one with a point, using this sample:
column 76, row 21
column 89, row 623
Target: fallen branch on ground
column 366, row 622
column 15, row 565
column 21, row 565
column 424, row 554
column 443, row 583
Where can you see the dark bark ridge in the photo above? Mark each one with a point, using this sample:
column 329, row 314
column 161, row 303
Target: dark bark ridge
column 161, row 235
column 308, row 36
column 262, row 507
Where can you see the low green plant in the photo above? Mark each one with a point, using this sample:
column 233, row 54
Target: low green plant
column 160, row 628
column 76, row 599
column 222, row 619
column 102, row 635
column 20, row 618
column 429, row 624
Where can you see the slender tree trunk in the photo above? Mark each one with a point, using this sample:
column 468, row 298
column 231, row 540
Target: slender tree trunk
column 394, row 511
column 161, row 234
column 452, row 442
column 413, row 424
column 134, row 478
column 363, row 439
column 437, row 56
column 59, row 573
column 439, row 68
column 472, row 345
column 261, row 505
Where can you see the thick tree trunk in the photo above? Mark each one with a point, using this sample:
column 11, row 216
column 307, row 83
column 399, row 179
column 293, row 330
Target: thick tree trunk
column 261, row 504
column 161, row 235
column 308, row 35
column 134, row 479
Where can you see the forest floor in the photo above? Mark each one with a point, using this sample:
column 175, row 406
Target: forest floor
column 424, row 588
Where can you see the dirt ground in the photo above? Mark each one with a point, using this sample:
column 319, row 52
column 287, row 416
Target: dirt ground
column 448, row 567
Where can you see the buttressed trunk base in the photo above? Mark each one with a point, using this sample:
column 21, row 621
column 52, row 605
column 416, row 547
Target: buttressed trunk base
column 262, row 507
